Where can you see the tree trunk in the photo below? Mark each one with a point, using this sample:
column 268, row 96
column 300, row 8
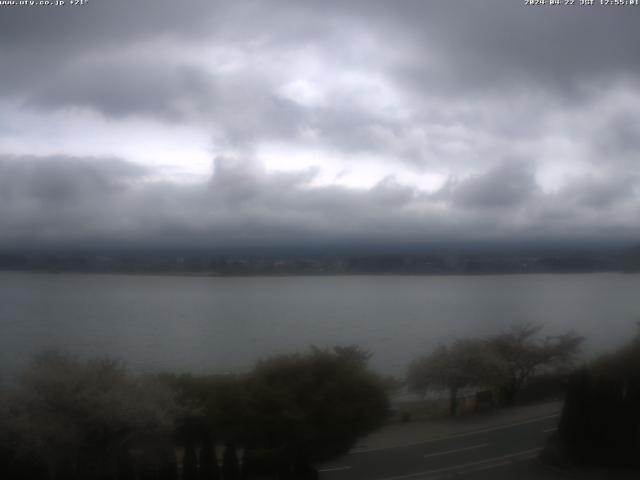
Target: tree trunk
column 209, row 469
column 189, row 463
column 453, row 401
column 230, row 463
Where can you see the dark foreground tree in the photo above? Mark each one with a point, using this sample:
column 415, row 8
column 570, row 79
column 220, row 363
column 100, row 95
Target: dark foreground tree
column 168, row 465
column 190, row 463
column 230, row 463
column 307, row 408
column 600, row 421
column 209, row 469
column 213, row 407
column 80, row 418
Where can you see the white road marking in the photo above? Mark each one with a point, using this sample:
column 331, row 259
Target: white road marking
column 525, row 455
column 502, row 463
column 447, row 452
column 473, row 466
column 547, row 430
column 458, row 435
column 334, row 469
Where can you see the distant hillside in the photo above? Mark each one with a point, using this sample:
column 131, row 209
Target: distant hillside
column 389, row 264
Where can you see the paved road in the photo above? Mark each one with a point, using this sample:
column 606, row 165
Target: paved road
column 506, row 451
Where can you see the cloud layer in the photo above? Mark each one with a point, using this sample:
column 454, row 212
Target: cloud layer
column 294, row 122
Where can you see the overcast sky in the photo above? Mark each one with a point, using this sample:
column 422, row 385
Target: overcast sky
column 289, row 122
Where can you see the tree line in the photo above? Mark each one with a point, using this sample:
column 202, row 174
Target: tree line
column 69, row 419
column 600, row 418
column 503, row 363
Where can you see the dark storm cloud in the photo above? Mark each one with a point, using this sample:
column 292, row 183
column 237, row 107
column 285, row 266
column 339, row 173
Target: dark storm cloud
column 618, row 139
column 71, row 201
column 438, row 87
column 601, row 193
column 432, row 48
column 44, row 199
column 110, row 22
column 498, row 44
column 508, row 184
column 63, row 179
column 118, row 89
column 37, row 44
column 82, row 201
column 468, row 45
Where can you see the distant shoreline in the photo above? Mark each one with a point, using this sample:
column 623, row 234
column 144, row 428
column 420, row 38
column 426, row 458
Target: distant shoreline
column 307, row 274
column 317, row 265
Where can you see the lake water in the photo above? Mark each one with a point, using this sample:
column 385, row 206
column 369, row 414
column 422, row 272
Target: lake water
column 225, row 324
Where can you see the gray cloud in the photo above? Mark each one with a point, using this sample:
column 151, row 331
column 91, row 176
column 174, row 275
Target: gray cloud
column 46, row 199
column 428, row 88
column 496, row 45
column 118, row 89
column 63, row 179
column 600, row 193
column 509, row 184
column 72, row 201
column 492, row 44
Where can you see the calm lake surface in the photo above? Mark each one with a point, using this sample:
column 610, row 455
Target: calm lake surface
column 224, row 324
